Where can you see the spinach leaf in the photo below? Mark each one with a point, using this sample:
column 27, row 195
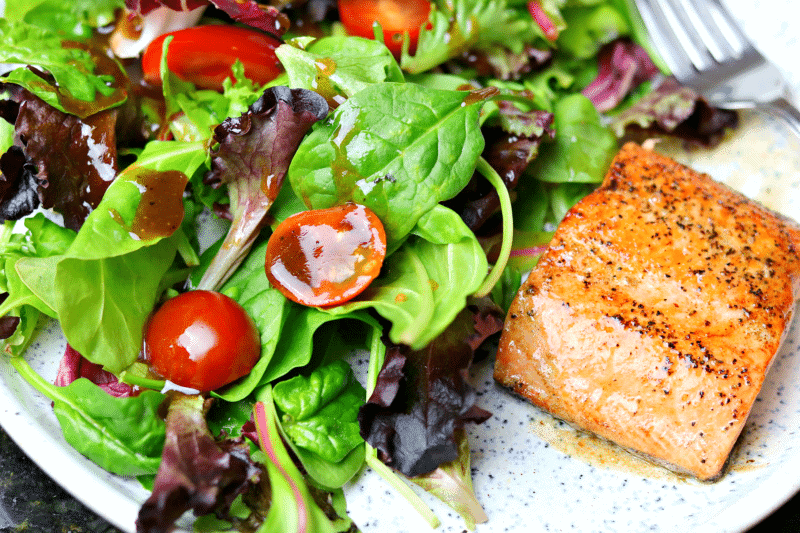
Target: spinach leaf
column 319, row 411
column 302, row 323
column 425, row 283
column 267, row 307
column 583, row 147
column 397, row 148
column 293, row 502
column 338, row 67
column 123, row 435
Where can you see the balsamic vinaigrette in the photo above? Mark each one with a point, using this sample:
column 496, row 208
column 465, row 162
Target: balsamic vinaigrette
column 160, row 211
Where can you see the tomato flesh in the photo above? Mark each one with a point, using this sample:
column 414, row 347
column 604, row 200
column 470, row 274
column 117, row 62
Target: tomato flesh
column 325, row 257
column 396, row 17
column 204, row 55
column 202, row 340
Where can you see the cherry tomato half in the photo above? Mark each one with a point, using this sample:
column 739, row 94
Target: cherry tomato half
column 395, row 17
column 202, row 339
column 204, row 55
column 325, row 257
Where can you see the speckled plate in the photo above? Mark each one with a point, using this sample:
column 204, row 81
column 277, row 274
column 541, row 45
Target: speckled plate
column 530, row 471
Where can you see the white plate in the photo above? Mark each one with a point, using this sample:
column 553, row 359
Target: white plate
column 531, row 472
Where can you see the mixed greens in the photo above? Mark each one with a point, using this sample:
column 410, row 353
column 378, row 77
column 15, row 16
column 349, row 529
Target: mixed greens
column 469, row 141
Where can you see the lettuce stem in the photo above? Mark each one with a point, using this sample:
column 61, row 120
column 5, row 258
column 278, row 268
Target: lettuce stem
column 508, row 227
column 390, row 477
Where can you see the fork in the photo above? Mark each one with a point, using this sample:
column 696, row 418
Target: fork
column 707, row 51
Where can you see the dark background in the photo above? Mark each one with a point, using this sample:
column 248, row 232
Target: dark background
column 30, row 502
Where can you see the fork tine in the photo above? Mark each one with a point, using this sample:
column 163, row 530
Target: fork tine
column 702, row 19
column 685, row 29
column 728, row 26
column 664, row 38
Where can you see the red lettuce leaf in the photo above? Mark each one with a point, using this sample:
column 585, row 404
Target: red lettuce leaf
column 74, row 366
column 253, row 156
column 18, row 185
column 196, row 472
column 250, row 12
column 622, row 66
column 411, row 419
column 677, row 111
column 69, row 162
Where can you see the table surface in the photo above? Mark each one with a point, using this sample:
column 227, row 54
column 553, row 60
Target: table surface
column 30, row 501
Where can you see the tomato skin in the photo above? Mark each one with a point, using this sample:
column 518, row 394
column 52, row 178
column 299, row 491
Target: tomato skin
column 204, row 55
column 202, row 340
column 325, row 257
column 395, row 17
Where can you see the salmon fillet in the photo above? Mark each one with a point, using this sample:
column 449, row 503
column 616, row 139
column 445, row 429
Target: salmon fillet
column 653, row 316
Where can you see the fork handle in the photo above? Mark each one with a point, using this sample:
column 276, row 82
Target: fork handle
column 783, row 109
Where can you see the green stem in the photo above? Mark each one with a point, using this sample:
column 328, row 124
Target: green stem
column 186, row 250
column 508, row 227
column 147, row 383
column 34, row 380
column 377, row 357
column 407, row 492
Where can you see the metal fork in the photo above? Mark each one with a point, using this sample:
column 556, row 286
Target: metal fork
column 707, row 51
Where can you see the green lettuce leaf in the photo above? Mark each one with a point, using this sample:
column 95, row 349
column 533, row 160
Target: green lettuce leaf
column 76, row 19
column 74, row 70
column 104, row 286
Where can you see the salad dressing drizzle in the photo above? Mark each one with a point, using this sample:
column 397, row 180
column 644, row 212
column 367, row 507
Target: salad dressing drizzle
column 160, row 211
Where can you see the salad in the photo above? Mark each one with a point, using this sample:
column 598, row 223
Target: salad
column 220, row 202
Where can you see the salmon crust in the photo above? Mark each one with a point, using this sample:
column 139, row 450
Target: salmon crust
column 655, row 313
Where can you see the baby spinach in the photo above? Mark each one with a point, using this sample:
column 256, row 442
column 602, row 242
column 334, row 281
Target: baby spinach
column 268, row 308
column 302, row 323
column 338, row 67
column 123, row 435
column 293, row 508
column 583, row 147
column 21, row 309
column 425, row 283
column 319, row 411
column 397, row 148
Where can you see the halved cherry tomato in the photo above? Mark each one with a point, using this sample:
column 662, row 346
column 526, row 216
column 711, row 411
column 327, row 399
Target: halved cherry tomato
column 395, row 17
column 202, row 339
column 204, row 55
column 325, row 257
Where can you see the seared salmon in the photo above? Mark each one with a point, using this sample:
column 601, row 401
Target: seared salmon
column 653, row 316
